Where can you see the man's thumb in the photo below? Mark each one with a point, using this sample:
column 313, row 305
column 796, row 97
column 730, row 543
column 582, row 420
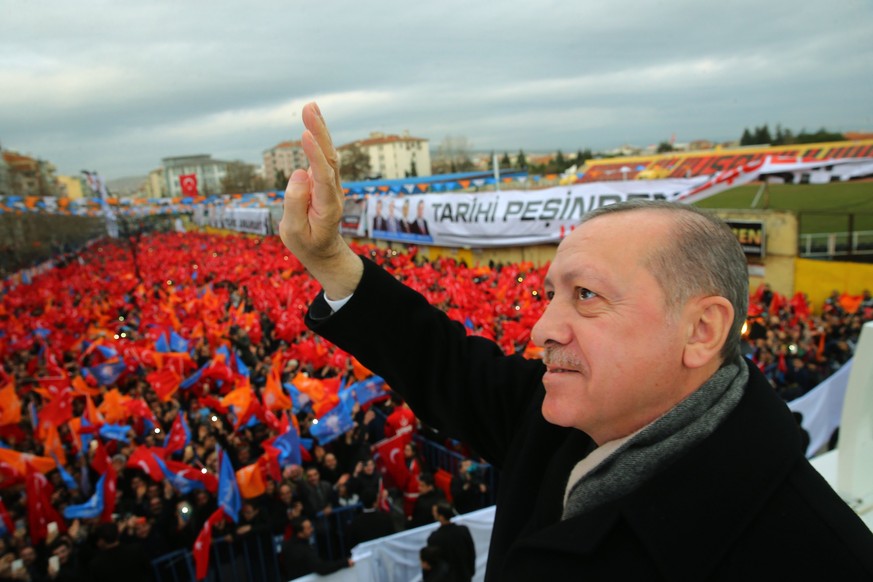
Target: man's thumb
column 297, row 199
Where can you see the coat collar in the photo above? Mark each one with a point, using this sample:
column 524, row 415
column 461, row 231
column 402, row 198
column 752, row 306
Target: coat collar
column 688, row 516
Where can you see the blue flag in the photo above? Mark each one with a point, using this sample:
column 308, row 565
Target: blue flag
column 336, row 422
column 107, row 352
column 289, row 448
column 107, row 372
column 178, row 343
column 228, row 490
column 162, row 345
column 116, row 432
column 193, row 378
column 91, row 508
column 65, row 476
column 181, row 484
column 369, row 389
column 299, row 400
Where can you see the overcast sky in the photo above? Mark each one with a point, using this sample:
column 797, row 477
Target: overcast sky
column 115, row 86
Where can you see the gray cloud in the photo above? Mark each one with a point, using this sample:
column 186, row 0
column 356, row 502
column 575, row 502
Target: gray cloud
column 117, row 86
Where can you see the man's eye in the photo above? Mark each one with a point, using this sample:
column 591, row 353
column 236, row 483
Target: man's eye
column 550, row 295
column 582, row 293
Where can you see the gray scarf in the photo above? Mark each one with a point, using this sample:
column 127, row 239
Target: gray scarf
column 641, row 455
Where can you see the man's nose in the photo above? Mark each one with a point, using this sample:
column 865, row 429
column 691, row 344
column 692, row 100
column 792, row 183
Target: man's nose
column 552, row 326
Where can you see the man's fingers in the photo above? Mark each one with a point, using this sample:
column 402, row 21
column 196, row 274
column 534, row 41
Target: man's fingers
column 297, row 200
column 314, row 122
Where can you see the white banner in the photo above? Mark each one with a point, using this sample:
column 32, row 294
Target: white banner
column 822, row 407
column 528, row 217
column 496, row 219
column 250, row 220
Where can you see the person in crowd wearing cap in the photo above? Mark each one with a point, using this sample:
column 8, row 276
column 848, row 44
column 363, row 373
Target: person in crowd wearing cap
column 642, row 445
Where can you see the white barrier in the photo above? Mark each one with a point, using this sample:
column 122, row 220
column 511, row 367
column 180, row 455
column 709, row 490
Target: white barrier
column 395, row 558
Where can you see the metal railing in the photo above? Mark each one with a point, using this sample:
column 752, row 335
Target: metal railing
column 836, row 244
column 253, row 557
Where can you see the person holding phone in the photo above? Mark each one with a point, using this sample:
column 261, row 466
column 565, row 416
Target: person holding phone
column 63, row 563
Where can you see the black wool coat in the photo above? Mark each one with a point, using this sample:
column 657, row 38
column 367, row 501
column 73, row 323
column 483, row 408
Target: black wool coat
column 743, row 504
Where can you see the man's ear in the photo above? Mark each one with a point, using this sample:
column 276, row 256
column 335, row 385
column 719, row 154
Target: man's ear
column 710, row 320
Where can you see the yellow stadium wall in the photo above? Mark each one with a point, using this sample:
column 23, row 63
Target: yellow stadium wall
column 818, row 279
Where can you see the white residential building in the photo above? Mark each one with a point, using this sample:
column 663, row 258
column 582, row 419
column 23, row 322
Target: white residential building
column 209, row 174
column 395, row 156
column 285, row 158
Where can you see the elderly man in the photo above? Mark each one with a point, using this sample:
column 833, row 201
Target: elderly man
column 642, row 447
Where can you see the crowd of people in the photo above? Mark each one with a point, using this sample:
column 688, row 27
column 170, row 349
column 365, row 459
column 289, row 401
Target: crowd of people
column 134, row 359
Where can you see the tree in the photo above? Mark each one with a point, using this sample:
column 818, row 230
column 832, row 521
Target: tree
column 582, row 156
column 355, row 163
column 453, row 155
column 665, row 146
column 413, row 170
column 241, row 177
column 762, row 135
column 521, row 161
column 747, row 138
column 505, row 161
column 281, row 180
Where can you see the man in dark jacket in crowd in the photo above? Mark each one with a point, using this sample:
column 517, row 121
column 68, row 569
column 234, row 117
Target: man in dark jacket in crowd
column 371, row 523
column 642, row 446
column 300, row 558
column 455, row 543
column 116, row 561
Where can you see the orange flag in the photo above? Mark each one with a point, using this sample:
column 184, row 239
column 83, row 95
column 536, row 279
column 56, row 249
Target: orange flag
column 10, row 405
column 113, row 406
column 92, row 414
column 80, row 387
column 360, row 372
column 274, row 396
column 18, row 461
column 251, row 481
column 310, row 386
column 52, row 444
column 239, row 397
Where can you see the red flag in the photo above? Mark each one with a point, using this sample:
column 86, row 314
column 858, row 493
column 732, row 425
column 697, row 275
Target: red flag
column 164, row 382
column 391, row 460
column 177, row 438
column 142, row 458
column 100, row 460
column 40, row 511
column 204, row 543
column 138, row 408
column 109, row 493
column 188, row 182
column 187, row 471
column 59, row 410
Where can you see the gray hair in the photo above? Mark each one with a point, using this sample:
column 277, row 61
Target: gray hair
column 703, row 258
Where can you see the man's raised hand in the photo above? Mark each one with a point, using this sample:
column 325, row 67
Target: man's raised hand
column 313, row 210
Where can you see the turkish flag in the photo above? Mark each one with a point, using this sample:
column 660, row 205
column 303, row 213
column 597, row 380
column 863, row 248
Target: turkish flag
column 188, row 182
column 59, row 410
column 141, row 458
column 204, row 543
column 40, row 510
column 164, row 382
column 390, row 459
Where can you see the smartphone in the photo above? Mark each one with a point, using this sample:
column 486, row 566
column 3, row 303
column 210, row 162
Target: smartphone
column 185, row 511
column 52, row 528
column 17, row 566
column 54, row 564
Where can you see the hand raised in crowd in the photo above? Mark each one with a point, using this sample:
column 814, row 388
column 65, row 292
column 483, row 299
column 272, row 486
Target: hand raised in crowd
column 313, row 210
